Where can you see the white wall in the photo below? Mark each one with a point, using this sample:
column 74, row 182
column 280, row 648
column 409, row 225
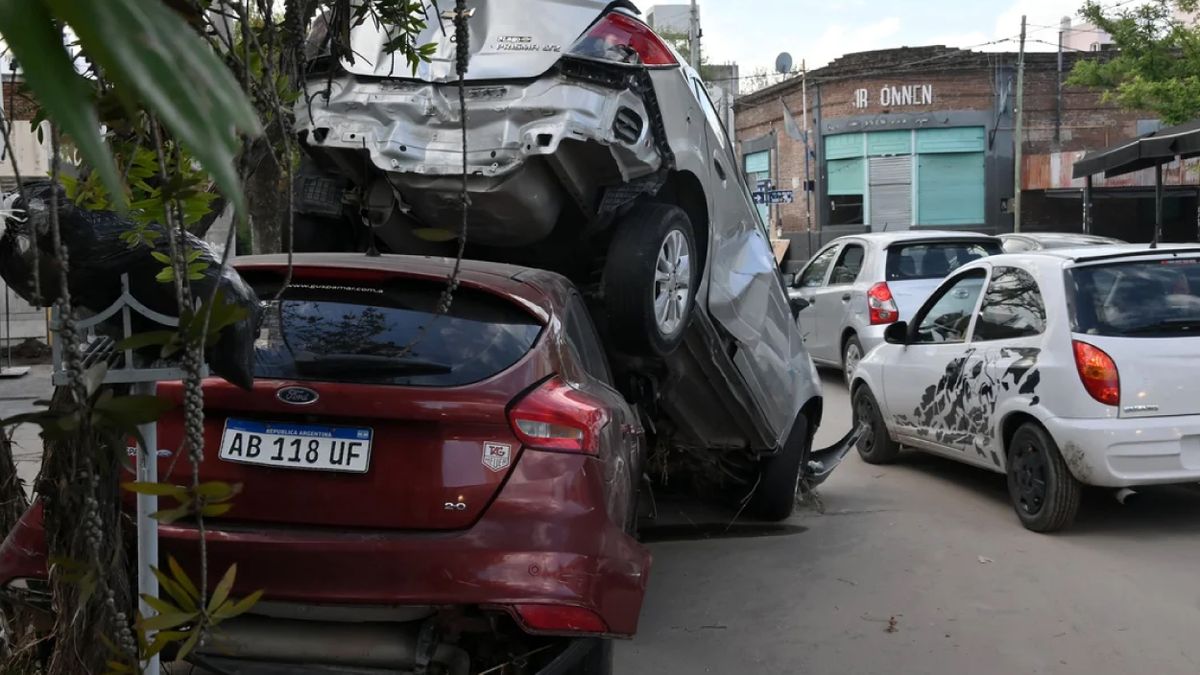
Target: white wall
column 33, row 157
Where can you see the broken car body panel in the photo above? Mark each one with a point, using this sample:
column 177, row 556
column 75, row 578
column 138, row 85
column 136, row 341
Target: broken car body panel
column 523, row 142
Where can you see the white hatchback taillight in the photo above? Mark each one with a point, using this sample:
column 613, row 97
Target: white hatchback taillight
column 620, row 38
column 881, row 305
column 559, row 417
column 1098, row 373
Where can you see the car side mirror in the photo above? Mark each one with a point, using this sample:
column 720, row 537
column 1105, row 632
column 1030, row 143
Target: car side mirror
column 896, row 334
column 797, row 302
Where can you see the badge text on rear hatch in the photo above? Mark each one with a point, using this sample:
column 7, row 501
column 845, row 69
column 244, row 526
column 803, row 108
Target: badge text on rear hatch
column 497, row 456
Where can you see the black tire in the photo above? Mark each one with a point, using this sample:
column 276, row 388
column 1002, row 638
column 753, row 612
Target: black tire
column 1044, row 493
column 779, row 475
column 876, row 445
column 630, row 286
column 851, row 347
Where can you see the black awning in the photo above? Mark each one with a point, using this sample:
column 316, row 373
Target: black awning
column 1152, row 149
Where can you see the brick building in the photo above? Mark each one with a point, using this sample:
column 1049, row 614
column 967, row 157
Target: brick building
column 924, row 137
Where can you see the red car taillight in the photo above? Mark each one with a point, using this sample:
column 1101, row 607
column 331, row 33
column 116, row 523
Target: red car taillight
column 560, row 619
column 559, row 417
column 623, row 39
column 881, row 304
column 1098, row 373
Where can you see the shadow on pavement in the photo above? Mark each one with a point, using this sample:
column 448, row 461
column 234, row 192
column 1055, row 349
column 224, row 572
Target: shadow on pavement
column 1151, row 511
column 690, row 532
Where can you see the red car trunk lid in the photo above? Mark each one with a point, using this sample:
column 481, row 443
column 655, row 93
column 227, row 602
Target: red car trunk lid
column 436, row 459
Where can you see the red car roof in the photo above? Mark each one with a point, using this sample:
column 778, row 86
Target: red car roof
column 539, row 291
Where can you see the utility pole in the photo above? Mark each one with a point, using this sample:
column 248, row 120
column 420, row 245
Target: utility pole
column 1058, row 106
column 808, row 195
column 694, row 37
column 1019, row 137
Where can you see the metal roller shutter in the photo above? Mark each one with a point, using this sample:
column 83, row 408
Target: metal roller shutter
column 891, row 193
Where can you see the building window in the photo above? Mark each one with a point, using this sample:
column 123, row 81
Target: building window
column 846, row 210
column 758, row 167
column 845, row 181
column 895, row 179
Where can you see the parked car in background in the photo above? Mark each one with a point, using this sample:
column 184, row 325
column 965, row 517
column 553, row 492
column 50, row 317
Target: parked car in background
column 1038, row 241
column 856, row 286
column 1059, row 368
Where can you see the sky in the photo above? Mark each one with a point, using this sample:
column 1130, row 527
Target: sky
column 753, row 32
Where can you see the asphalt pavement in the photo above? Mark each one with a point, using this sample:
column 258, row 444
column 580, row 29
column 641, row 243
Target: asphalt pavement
column 918, row 567
column 922, row 567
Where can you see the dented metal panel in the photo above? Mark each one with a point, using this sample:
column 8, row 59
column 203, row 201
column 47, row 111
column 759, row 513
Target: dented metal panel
column 410, row 127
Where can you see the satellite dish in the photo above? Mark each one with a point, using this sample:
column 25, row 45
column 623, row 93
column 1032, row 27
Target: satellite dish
column 783, row 63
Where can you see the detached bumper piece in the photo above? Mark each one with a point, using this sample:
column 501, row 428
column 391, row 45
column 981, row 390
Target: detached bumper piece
column 821, row 463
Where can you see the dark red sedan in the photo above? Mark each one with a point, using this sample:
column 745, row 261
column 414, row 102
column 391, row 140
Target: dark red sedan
column 468, row 478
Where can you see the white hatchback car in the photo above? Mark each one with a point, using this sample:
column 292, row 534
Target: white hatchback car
column 857, row 285
column 1060, row 368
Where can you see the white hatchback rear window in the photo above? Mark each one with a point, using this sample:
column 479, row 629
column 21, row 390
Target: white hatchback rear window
column 1145, row 298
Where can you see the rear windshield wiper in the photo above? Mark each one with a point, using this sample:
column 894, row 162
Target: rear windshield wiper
column 358, row 363
column 1166, row 326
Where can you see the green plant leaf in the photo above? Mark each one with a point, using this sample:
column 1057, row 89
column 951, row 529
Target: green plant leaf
column 187, row 647
column 235, row 608
column 29, row 30
column 181, row 577
column 93, row 378
column 216, row 510
column 134, row 410
column 161, row 640
column 171, row 620
column 161, row 257
column 156, row 489
column 221, row 592
column 168, row 516
column 217, row 491
column 159, row 605
column 147, row 339
column 172, row 588
column 175, row 74
column 117, row 667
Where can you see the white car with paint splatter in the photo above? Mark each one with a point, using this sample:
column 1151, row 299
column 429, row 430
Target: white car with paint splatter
column 1060, row 368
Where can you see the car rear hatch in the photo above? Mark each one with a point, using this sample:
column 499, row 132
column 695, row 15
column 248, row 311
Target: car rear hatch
column 368, row 410
column 510, row 39
column 915, row 268
column 1144, row 313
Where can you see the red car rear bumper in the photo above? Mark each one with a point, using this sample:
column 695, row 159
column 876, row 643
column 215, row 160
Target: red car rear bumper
column 546, row 539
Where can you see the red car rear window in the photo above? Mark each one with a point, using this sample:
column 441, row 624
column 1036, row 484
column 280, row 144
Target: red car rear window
column 389, row 334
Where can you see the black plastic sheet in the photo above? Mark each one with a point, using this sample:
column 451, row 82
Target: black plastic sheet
column 98, row 258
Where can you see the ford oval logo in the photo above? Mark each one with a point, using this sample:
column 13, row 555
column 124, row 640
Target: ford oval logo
column 297, row 395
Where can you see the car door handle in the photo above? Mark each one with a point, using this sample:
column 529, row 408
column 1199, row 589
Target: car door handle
column 846, row 297
column 719, row 169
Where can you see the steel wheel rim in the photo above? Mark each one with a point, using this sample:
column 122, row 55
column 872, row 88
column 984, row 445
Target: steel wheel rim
column 1030, row 473
column 864, row 415
column 672, row 282
column 852, row 357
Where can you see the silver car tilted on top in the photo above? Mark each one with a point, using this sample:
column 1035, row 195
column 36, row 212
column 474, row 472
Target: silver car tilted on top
column 856, row 286
column 592, row 151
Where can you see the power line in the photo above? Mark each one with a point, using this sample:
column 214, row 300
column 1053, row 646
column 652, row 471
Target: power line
column 882, row 70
